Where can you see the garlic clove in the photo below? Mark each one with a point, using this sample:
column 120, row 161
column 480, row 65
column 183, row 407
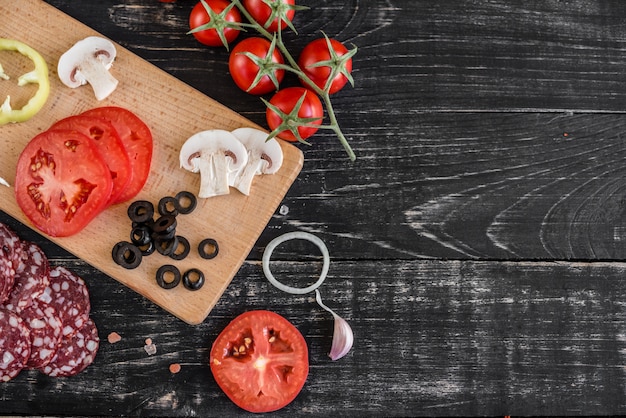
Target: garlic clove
column 343, row 337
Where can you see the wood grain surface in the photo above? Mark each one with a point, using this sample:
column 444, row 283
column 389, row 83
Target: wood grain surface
column 477, row 242
column 174, row 112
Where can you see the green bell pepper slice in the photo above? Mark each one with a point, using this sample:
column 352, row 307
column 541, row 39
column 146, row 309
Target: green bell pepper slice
column 38, row 76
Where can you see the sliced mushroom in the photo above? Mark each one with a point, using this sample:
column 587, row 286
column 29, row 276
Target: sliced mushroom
column 89, row 61
column 264, row 157
column 214, row 153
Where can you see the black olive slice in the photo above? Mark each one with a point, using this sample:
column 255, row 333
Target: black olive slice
column 168, row 206
column 148, row 248
column 186, row 202
column 126, row 255
column 164, row 225
column 182, row 248
column 141, row 211
column 208, row 248
column 140, row 235
column 166, row 246
column 168, row 276
column 163, row 236
column 193, row 279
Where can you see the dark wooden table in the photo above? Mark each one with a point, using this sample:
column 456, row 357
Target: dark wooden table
column 477, row 242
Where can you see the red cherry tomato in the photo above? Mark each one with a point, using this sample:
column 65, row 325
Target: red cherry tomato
column 244, row 70
column 62, row 182
column 260, row 361
column 286, row 100
column 261, row 13
column 317, row 51
column 211, row 37
column 111, row 148
column 137, row 139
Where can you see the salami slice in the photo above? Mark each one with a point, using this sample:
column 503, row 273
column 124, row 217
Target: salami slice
column 10, row 256
column 11, row 246
column 67, row 293
column 7, row 278
column 75, row 352
column 14, row 345
column 31, row 277
column 45, row 333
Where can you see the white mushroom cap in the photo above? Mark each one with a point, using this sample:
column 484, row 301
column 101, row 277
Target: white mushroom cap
column 214, row 153
column 264, row 157
column 89, row 61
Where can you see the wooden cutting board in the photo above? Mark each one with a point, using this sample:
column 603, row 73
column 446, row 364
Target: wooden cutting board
column 174, row 111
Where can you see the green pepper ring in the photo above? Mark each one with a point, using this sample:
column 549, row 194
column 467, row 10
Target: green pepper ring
column 36, row 102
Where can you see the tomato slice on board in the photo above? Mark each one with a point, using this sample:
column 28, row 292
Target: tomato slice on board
column 110, row 145
column 61, row 182
column 260, row 361
column 137, row 139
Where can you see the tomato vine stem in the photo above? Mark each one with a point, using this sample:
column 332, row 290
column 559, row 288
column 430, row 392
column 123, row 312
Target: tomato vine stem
column 294, row 68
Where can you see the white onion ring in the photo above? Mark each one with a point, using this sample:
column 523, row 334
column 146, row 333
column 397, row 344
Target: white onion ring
column 267, row 254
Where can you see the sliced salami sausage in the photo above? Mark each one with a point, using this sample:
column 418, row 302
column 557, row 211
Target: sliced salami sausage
column 67, row 293
column 11, row 245
column 45, row 333
column 10, row 257
column 14, row 345
column 31, row 277
column 7, row 278
column 75, row 352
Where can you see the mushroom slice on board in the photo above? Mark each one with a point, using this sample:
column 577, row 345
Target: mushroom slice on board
column 89, row 61
column 264, row 157
column 214, row 153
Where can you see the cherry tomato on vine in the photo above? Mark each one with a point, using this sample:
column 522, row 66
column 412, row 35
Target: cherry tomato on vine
column 262, row 12
column 260, row 361
column 310, row 112
column 251, row 66
column 225, row 30
column 316, row 61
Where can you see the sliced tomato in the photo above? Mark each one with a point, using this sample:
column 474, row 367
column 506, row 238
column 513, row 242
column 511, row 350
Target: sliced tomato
column 62, row 182
column 260, row 361
column 137, row 139
column 105, row 136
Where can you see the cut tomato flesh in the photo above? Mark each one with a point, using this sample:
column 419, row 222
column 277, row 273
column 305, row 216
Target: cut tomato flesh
column 137, row 139
column 106, row 138
column 62, row 182
column 260, row 360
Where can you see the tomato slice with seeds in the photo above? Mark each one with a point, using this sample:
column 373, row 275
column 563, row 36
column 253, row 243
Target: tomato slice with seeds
column 105, row 136
column 137, row 139
column 61, row 182
column 260, row 361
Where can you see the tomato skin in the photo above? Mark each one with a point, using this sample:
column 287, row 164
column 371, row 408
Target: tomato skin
column 271, row 369
column 210, row 37
column 61, row 182
column 243, row 70
column 137, row 140
column 285, row 100
column 112, row 150
column 261, row 13
column 316, row 51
